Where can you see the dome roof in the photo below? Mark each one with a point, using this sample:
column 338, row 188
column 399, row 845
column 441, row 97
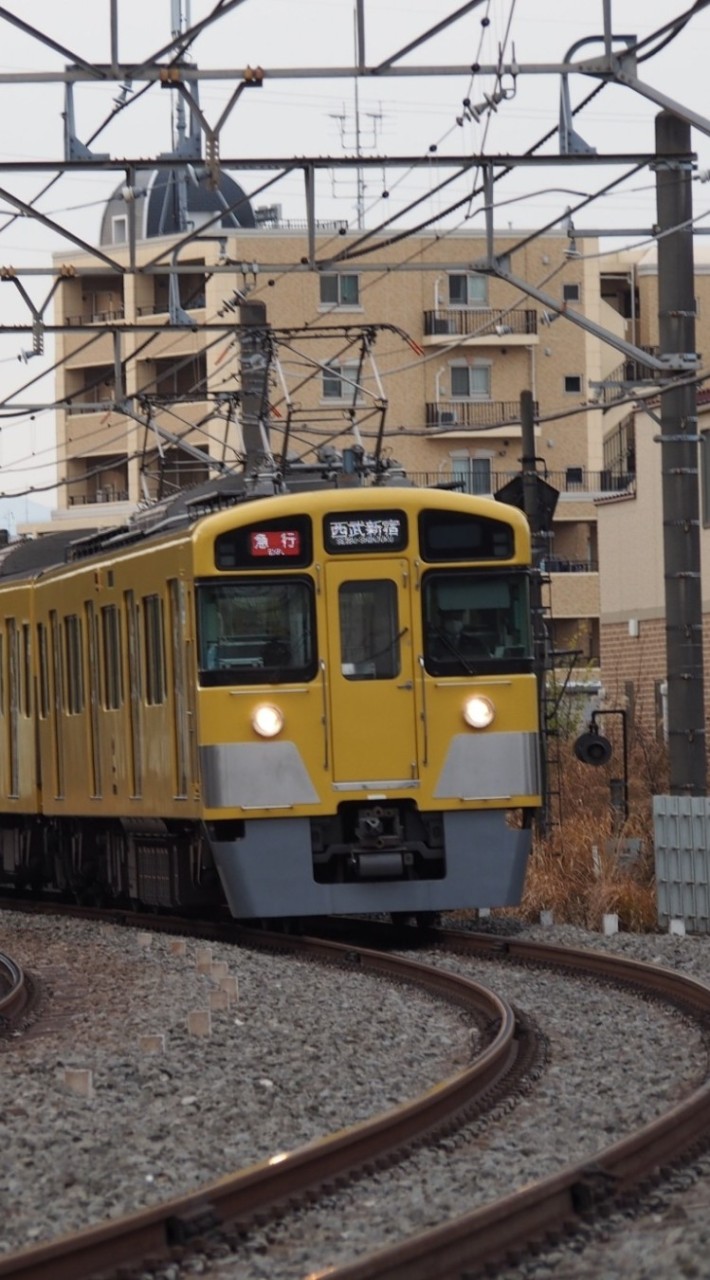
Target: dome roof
column 157, row 196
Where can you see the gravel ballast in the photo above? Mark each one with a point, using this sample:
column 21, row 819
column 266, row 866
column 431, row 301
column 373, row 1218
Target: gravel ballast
column 305, row 1050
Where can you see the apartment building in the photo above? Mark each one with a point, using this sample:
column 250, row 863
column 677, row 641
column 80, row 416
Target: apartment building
column 451, row 348
column 630, row 524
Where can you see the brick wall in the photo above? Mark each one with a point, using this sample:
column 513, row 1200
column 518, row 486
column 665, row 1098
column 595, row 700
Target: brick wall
column 640, row 661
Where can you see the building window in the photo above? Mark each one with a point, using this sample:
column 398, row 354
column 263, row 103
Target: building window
column 340, row 290
column 119, row 229
column 570, row 293
column 468, row 290
column 340, row 382
column 470, row 382
column 573, row 384
column 472, row 474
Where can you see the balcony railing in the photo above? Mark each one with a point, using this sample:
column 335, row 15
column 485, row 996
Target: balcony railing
column 560, row 564
column 479, row 322
column 101, row 495
column 578, row 480
column 474, row 413
column 593, row 482
column 97, row 317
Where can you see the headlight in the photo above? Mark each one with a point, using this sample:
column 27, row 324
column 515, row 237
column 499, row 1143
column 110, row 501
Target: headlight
column 479, row 712
column 267, row 720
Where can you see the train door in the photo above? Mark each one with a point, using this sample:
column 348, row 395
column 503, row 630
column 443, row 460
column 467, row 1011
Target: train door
column 94, row 699
column 135, row 694
column 181, row 729
column 13, row 672
column 370, row 673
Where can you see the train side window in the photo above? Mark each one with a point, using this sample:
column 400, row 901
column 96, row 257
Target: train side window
column 154, row 637
column 26, row 670
column 74, row 665
column 112, row 671
column 57, row 662
column 43, row 671
column 369, row 630
column 12, row 665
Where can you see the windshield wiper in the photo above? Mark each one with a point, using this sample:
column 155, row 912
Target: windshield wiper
column 370, row 657
column 442, row 635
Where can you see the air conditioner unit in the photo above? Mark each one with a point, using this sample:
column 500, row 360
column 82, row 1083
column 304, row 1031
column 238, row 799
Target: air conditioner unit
column 447, row 418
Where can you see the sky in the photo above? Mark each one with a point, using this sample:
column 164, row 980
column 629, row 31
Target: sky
column 312, row 114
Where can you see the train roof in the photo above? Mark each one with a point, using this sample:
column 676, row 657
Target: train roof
column 32, row 557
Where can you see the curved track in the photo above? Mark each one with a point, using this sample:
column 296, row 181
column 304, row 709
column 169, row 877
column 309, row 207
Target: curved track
column 14, row 991
column 463, row 1248
column 286, row 1178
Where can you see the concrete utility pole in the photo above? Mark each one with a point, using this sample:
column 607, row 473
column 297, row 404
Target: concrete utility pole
column 254, row 368
column 532, row 509
column 679, row 464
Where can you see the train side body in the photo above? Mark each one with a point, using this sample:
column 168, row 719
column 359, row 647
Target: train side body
column 278, row 700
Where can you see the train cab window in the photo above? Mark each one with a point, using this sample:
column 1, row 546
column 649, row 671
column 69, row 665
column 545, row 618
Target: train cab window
column 256, row 630
column 476, row 621
column 369, row 630
column 456, row 535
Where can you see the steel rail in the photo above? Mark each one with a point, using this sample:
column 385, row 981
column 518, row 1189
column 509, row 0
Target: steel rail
column 151, row 1233
column 465, row 1246
column 16, row 992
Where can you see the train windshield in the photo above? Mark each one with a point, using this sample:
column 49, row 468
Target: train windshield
column 476, row 621
column 256, row 631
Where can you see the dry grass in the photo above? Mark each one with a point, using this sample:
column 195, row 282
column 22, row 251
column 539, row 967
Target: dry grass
column 578, row 871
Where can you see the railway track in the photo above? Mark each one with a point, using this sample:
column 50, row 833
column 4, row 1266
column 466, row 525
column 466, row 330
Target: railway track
column 463, row 1247
column 14, row 992
column 317, row 1168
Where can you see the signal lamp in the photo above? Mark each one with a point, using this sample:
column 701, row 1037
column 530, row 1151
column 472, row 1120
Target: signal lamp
column 592, row 748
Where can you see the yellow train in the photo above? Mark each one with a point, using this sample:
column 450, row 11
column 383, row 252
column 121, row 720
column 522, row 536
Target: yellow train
column 305, row 703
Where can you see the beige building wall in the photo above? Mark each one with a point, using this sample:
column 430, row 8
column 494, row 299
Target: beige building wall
column 632, row 594
column 431, row 431
column 541, row 360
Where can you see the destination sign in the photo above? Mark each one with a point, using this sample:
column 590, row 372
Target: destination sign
column 366, row 531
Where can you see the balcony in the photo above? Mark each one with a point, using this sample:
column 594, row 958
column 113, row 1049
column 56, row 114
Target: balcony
column 89, row 316
column 480, row 327
column 589, row 484
column 475, row 415
column 624, row 378
column 561, row 564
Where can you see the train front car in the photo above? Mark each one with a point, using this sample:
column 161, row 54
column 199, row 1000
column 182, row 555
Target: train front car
column 368, row 712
